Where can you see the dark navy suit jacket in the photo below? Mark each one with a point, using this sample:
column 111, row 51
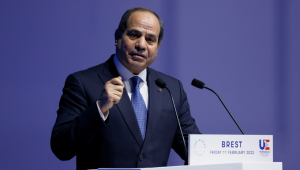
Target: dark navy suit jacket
column 79, row 130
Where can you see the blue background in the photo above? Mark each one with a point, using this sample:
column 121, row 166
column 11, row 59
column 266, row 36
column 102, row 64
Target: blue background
column 247, row 51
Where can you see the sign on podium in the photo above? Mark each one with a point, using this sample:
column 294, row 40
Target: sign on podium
column 226, row 152
column 205, row 149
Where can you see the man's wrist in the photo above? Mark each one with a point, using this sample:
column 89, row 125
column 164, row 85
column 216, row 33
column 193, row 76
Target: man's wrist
column 103, row 115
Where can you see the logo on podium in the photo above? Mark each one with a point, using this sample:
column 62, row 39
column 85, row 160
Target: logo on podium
column 199, row 147
column 264, row 147
column 264, row 144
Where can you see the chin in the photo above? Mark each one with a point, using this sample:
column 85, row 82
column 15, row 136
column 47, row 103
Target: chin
column 138, row 64
column 137, row 67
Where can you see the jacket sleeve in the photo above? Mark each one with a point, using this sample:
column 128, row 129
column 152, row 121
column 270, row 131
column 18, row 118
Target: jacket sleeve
column 187, row 123
column 77, row 122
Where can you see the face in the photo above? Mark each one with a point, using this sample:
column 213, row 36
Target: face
column 137, row 47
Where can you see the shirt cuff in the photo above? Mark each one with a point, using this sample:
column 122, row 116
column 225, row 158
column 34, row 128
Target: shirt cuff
column 100, row 112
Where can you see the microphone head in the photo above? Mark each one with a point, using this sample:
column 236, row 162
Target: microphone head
column 198, row 83
column 160, row 83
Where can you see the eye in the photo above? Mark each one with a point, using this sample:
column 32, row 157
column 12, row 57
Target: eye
column 133, row 34
column 150, row 40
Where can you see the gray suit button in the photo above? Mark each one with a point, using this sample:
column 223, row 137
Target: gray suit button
column 141, row 158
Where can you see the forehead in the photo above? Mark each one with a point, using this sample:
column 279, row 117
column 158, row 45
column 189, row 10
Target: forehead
column 143, row 20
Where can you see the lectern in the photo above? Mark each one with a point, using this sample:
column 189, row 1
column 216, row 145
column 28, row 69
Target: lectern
column 226, row 152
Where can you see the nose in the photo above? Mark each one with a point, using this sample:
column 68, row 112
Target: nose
column 141, row 43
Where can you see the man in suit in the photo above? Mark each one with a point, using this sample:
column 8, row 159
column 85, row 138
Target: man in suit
column 114, row 115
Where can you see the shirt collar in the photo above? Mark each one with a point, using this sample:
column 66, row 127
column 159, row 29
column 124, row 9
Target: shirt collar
column 125, row 73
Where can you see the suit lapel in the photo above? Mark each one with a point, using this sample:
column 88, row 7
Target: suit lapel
column 124, row 105
column 154, row 107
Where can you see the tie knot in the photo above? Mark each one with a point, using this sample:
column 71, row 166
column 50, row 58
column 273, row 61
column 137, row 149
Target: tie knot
column 136, row 80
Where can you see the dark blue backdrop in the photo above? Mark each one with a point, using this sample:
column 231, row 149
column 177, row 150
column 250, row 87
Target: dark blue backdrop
column 247, row 51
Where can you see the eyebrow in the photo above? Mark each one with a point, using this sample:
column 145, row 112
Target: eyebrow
column 152, row 36
column 148, row 34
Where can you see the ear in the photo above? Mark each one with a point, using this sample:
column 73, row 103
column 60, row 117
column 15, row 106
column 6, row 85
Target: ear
column 117, row 34
column 159, row 44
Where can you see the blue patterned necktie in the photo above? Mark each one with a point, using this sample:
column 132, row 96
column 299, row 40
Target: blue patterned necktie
column 139, row 104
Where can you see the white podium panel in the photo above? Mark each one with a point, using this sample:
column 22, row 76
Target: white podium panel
column 228, row 166
column 226, row 152
column 211, row 149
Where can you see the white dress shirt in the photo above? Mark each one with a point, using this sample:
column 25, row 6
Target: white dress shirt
column 126, row 75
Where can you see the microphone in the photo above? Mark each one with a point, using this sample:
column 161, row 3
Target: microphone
column 201, row 85
column 198, row 83
column 160, row 83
